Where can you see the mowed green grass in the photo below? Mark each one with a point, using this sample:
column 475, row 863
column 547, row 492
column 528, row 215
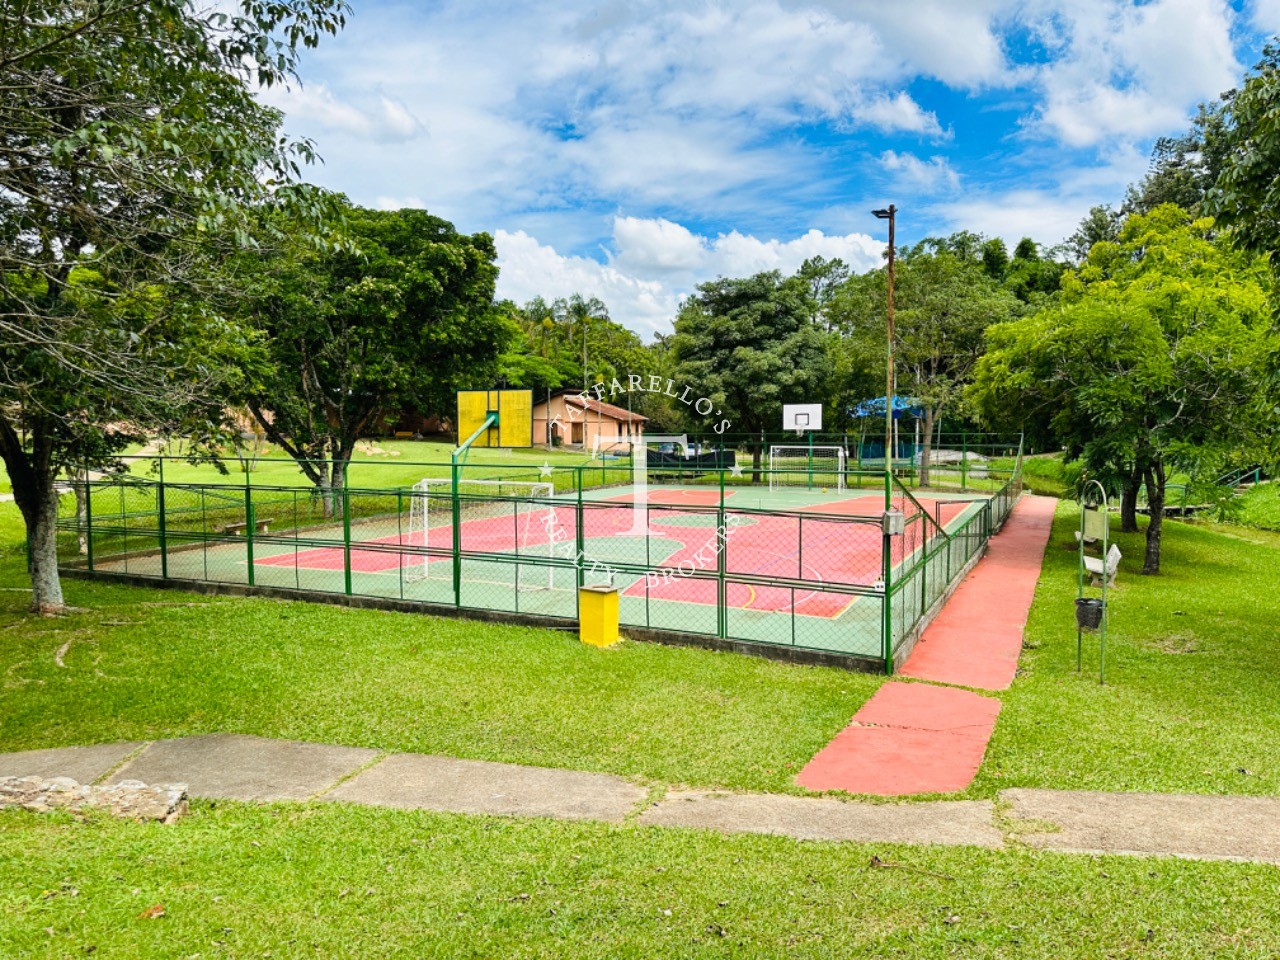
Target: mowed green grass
column 345, row 882
column 375, row 464
column 1193, row 666
column 146, row 664
column 1260, row 506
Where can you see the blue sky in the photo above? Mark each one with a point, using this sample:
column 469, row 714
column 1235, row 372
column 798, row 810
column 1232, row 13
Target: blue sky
column 632, row 150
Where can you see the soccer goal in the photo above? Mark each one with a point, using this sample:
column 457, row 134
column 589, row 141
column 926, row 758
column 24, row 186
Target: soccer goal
column 804, row 466
column 519, row 512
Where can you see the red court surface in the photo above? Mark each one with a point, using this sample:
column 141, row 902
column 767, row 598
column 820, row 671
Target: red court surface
column 976, row 639
column 918, row 738
column 824, row 549
column 909, row 738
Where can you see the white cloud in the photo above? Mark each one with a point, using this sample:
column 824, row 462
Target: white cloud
column 1132, row 72
column 1265, row 15
column 955, row 42
column 383, row 118
column 528, row 269
column 1044, row 215
column 927, row 176
column 655, row 262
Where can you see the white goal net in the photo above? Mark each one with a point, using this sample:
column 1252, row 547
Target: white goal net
column 804, row 466
column 513, row 517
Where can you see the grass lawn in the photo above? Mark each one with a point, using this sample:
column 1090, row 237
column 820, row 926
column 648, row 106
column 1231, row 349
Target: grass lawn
column 1192, row 670
column 1260, row 506
column 1189, row 704
column 333, row 881
column 152, row 664
column 375, row 464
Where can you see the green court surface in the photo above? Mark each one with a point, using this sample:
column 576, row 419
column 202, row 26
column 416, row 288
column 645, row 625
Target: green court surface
column 794, row 566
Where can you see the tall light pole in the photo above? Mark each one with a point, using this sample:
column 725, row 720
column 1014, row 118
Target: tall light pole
column 889, row 215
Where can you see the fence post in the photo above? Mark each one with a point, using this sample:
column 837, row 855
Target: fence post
column 580, row 539
column 346, row 531
column 722, row 592
column 160, row 524
column 964, row 461
column 886, row 550
column 456, row 532
column 250, row 527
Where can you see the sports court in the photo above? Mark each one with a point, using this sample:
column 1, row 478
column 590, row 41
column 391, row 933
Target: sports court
column 798, row 553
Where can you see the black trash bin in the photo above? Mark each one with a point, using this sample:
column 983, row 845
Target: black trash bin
column 1089, row 613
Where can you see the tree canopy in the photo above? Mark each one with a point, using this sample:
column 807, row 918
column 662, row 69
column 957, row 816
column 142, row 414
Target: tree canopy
column 131, row 143
column 402, row 320
column 1162, row 353
column 749, row 346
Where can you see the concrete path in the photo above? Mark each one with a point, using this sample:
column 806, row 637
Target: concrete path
column 229, row 766
column 915, row 738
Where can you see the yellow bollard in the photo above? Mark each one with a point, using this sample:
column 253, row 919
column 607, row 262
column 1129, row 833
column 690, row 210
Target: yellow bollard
column 598, row 615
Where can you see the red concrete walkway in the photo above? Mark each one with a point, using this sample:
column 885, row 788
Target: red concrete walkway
column 977, row 636
column 917, row 738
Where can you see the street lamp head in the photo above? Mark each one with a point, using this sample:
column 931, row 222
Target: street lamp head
column 882, row 214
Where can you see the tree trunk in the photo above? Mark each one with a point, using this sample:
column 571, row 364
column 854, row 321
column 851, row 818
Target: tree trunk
column 757, row 451
column 1129, row 502
column 1155, row 480
column 926, row 451
column 42, row 563
column 337, row 484
column 81, row 483
column 32, row 473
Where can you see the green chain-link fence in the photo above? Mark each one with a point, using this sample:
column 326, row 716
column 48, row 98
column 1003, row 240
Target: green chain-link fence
column 787, row 558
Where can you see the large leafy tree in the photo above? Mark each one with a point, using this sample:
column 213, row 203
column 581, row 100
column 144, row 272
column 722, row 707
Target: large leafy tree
column 1245, row 195
column 748, row 346
column 946, row 297
column 1162, row 354
column 402, row 320
column 130, row 141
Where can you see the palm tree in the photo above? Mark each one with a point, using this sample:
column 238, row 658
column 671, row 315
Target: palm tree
column 577, row 313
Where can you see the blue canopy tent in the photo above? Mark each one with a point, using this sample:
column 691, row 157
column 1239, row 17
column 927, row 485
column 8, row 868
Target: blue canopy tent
column 873, row 410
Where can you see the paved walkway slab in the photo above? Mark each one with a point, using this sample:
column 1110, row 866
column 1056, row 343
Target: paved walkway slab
column 955, row 822
column 1185, row 825
column 977, row 636
column 81, row 764
column 909, row 738
column 415, row 781
column 234, row 767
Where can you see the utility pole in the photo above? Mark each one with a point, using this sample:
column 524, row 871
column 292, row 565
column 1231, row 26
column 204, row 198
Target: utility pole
column 889, row 214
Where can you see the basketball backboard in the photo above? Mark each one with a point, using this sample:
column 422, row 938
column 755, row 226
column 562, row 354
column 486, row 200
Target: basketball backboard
column 801, row 417
column 514, row 410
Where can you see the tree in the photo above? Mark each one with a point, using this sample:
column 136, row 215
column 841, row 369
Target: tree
column 1244, row 195
column 577, row 313
column 402, row 321
column 1162, row 354
column 130, row 145
column 995, row 258
column 1183, row 169
column 1099, row 224
column 1031, row 277
column 945, row 301
column 748, row 346
column 822, row 278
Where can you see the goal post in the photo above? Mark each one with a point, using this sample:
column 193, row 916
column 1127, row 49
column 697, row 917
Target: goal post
column 801, row 465
column 527, row 504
